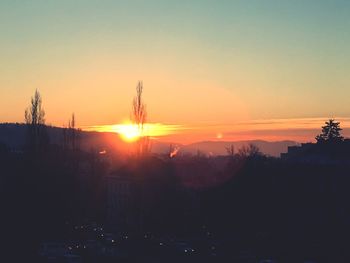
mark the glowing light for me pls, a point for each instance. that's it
(129, 132)
(132, 132)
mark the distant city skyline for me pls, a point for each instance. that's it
(217, 69)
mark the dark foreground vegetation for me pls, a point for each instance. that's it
(235, 208)
(62, 203)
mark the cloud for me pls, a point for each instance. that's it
(298, 129)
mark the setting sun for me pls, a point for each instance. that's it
(128, 132)
(175, 131)
(131, 132)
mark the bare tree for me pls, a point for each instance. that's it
(249, 151)
(72, 122)
(34, 117)
(139, 115)
(230, 150)
(35, 114)
(72, 132)
(71, 135)
(65, 137)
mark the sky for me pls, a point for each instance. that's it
(205, 65)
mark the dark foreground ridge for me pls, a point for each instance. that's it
(14, 136)
(62, 203)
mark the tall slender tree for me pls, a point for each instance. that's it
(71, 135)
(34, 117)
(72, 132)
(35, 114)
(139, 115)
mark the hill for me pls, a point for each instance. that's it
(14, 134)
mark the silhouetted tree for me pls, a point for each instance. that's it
(139, 115)
(249, 151)
(35, 119)
(71, 135)
(35, 114)
(138, 107)
(330, 132)
(72, 132)
(230, 150)
(64, 137)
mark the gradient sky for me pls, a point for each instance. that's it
(202, 62)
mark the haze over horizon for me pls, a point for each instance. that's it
(228, 70)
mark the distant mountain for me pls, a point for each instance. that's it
(14, 135)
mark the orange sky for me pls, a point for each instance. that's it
(208, 67)
(301, 130)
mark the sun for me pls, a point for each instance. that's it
(128, 132)
(131, 132)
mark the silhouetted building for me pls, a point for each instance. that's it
(123, 211)
(319, 153)
(118, 201)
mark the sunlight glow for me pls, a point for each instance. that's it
(219, 136)
(130, 132)
(298, 129)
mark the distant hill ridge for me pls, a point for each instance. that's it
(219, 147)
(13, 135)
